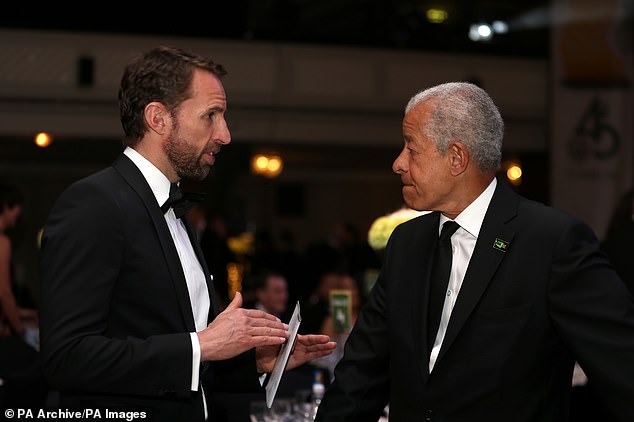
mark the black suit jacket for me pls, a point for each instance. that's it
(115, 310)
(522, 317)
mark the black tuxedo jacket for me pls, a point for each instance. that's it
(115, 310)
(524, 313)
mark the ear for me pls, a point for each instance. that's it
(459, 158)
(157, 118)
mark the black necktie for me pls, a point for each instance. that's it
(181, 202)
(440, 279)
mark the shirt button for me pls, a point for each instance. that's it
(448, 292)
(428, 416)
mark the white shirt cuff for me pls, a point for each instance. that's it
(195, 361)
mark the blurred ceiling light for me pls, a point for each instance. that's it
(43, 139)
(267, 165)
(436, 15)
(484, 31)
(480, 32)
(514, 173)
(500, 27)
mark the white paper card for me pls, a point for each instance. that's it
(282, 357)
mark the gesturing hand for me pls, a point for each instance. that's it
(307, 347)
(236, 330)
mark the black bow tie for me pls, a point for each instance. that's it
(181, 201)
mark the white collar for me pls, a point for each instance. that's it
(158, 182)
(471, 218)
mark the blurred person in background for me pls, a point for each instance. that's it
(24, 385)
(269, 293)
(316, 308)
(357, 254)
(212, 234)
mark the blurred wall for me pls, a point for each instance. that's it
(276, 92)
(592, 75)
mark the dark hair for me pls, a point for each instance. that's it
(163, 74)
(260, 278)
(10, 196)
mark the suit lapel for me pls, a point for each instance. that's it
(485, 260)
(135, 179)
(424, 251)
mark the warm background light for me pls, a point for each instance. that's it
(43, 139)
(267, 165)
(261, 162)
(274, 165)
(514, 173)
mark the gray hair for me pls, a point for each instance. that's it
(463, 112)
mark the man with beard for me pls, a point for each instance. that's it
(129, 321)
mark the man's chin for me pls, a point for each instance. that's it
(203, 175)
(408, 201)
(199, 175)
(413, 205)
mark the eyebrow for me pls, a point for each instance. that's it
(216, 108)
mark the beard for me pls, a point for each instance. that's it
(185, 158)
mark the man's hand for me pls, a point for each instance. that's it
(307, 347)
(236, 330)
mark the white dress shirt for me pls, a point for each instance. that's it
(462, 244)
(194, 275)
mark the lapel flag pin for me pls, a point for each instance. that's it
(500, 245)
